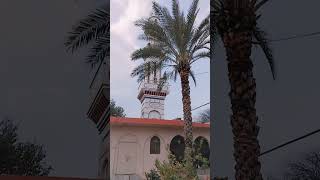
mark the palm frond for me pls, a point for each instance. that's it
(141, 68)
(260, 4)
(192, 14)
(173, 39)
(190, 20)
(100, 50)
(192, 75)
(163, 80)
(200, 55)
(175, 9)
(142, 71)
(263, 42)
(154, 32)
(162, 14)
(88, 29)
(200, 34)
(147, 52)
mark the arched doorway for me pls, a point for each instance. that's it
(201, 147)
(177, 147)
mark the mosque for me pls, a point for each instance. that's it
(130, 146)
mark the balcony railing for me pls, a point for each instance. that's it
(153, 86)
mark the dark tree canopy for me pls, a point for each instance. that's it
(204, 116)
(20, 158)
(308, 168)
(116, 111)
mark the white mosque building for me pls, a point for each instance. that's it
(130, 146)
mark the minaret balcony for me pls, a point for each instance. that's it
(153, 86)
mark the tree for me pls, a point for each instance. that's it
(204, 116)
(309, 168)
(20, 158)
(235, 21)
(94, 28)
(174, 45)
(116, 111)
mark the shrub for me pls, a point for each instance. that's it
(152, 175)
(172, 169)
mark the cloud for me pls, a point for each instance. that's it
(133, 10)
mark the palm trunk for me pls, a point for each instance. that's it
(186, 102)
(243, 98)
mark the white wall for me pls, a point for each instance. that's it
(140, 139)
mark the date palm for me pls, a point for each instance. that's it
(175, 43)
(94, 28)
(236, 23)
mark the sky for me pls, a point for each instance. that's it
(124, 40)
(287, 107)
(45, 89)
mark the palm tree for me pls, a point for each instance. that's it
(94, 28)
(174, 45)
(236, 23)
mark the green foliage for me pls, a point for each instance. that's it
(152, 175)
(20, 158)
(174, 42)
(175, 170)
(116, 111)
(172, 169)
(202, 160)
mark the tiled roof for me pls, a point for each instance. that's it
(153, 122)
(40, 178)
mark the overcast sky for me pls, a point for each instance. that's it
(124, 40)
(288, 107)
(43, 87)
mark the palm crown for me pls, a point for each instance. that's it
(94, 28)
(240, 15)
(174, 42)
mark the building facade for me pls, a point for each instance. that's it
(137, 142)
(130, 146)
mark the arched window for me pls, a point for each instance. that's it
(154, 115)
(201, 146)
(155, 145)
(177, 146)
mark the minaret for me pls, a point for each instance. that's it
(151, 98)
